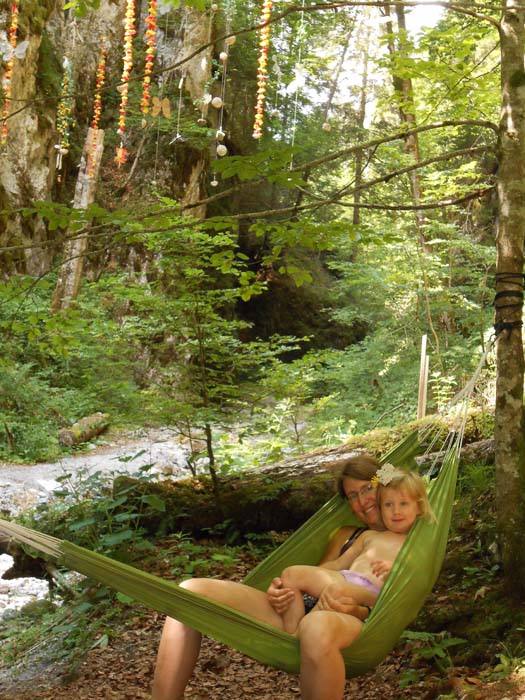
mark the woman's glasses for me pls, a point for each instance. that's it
(362, 493)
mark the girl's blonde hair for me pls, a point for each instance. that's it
(415, 487)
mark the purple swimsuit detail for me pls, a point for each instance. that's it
(358, 580)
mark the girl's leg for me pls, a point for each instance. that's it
(304, 579)
(358, 594)
(180, 645)
(323, 635)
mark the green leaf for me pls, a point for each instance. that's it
(154, 502)
(126, 599)
(117, 538)
(81, 524)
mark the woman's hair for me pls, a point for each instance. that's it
(415, 487)
(362, 466)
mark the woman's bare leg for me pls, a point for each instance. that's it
(304, 579)
(176, 658)
(180, 645)
(322, 636)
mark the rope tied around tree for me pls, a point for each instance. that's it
(512, 278)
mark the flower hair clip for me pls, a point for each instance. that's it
(385, 474)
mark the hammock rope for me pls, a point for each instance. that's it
(410, 581)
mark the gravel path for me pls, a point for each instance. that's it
(24, 485)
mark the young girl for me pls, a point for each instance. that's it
(365, 565)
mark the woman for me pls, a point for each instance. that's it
(322, 634)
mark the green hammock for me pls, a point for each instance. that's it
(410, 581)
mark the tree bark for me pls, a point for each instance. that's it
(70, 275)
(407, 113)
(508, 430)
(84, 430)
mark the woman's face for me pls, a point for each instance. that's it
(362, 498)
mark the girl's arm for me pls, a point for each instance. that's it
(381, 568)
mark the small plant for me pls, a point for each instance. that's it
(409, 676)
(433, 647)
(511, 660)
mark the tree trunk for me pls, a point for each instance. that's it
(361, 116)
(508, 429)
(84, 430)
(407, 112)
(70, 275)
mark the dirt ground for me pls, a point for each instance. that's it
(124, 671)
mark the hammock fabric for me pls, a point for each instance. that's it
(410, 581)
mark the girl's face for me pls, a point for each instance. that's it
(362, 498)
(399, 510)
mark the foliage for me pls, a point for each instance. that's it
(92, 513)
(434, 647)
(170, 343)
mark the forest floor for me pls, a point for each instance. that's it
(124, 671)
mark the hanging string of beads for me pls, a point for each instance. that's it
(262, 69)
(220, 133)
(97, 105)
(129, 32)
(161, 104)
(178, 136)
(6, 82)
(151, 43)
(206, 98)
(64, 114)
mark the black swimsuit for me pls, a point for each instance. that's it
(309, 601)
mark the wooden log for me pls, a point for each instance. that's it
(279, 497)
(84, 430)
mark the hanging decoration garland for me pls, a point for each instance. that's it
(129, 32)
(218, 102)
(97, 105)
(151, 43)
(6, 83)
(64, 114)
(262, 69)
(178, 136)
(206, 98)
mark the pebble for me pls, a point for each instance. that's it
(17, 592)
